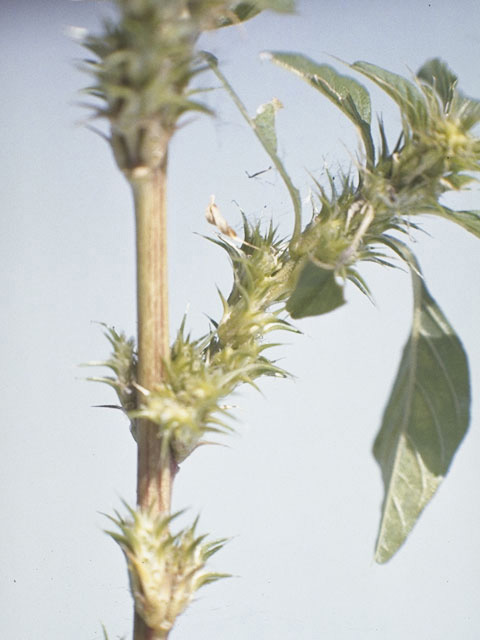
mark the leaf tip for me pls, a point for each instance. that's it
(266, 55)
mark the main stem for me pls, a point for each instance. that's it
(156, 468)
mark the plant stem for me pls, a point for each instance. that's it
(142, 632)
(156, 468)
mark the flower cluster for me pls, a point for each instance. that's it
(165, 569)
(123, 363)
(437, 150)
(200, 374)
(144, 63)
(260, 266)
(352, 221)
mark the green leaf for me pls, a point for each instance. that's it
(437, 74)
(407, 96)
(241, 13)
(469, 220)
(246, 10)
(282, 6)
(458, 181)
(425, 419)
(346, 93)
(264, 123)
(316, 292)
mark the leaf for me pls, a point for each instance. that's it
(264, 123)
(316, 292)
(346, 93)
(246, 10)
(407, 96)
(458, 181)
(425, 419)
(469, 220)
(282, 6)
(437, 74)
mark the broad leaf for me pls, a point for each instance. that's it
(346, 93)
(316, 292)
(426, 417)
(407, 96)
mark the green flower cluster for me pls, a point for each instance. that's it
(334, 239)
(123, 363)
(437, 150)
(144, 62)
(260, 267)
(165, 569)
(200, 374)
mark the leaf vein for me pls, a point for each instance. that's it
(436, 421)
(446, 374)
(399, 510)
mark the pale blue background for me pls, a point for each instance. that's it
(298, 489)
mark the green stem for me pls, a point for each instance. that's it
(156, 469)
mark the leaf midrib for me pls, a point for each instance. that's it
(412, 346)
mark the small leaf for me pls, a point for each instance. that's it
(242, 12)
(316, 292)
(407, 96)
(346, 93)
(426, 417)
(437, 74)
(458, 181)
(264, 123)
(246, 10)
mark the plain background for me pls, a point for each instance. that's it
(297, 489)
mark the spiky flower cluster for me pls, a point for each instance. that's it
(334, 238)
(200, 374)
(437, 148)
(350, 225)
(186, 405)
(144, 62)
(260, 268)
(123, 363)
(165, 569)
(436, 152)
